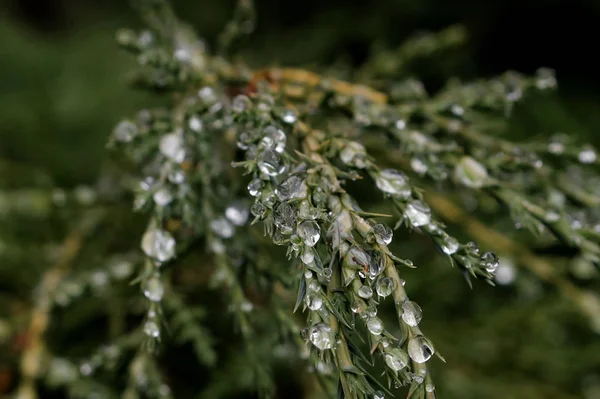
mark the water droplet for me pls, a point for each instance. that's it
(490, 261)
(284, 218)
(176, 177)
(449, 245)
(222, 227)
(85, 195)
(86, 369)
(237, 213)
(418, 213)
(289, 116)
(457, 110)
(154, 289)
(545, 79)
(587, 156)
(552, 216)
(313, 300)
(158, 244)
(162, 197)
(270, 164)
(195, 124)
(241, 103)
(375, 326)
(308, 274)
(396, 359)
(356, 307)
(320, 335)
(429, 387)
(121, 269)
(246, 306)
(151, 329)
(207, 95)
(365, 292)
(411, 313)
(419, 166)
(327, 272)
(420, 349)
(125, 131)
(470, 173)
(310, 232)
(277, 138)
(291, 188)
(258, 210)
(307, 256)
(254, 187)
(556, 146)
(383, 233)
(353, 154)
(400, 124)
(506, 272)
(472, 247)
(385, 286)
(392, 181)
(172, 146)
(378, 395)
(371, 311)
(314, 286)
(356, 258)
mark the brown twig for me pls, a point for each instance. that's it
(32, 356)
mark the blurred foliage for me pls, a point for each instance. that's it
(64, 86)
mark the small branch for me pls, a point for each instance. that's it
(586, 300)
(32, 356)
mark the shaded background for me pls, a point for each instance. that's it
(63, 87)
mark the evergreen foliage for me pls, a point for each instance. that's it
(278, 216)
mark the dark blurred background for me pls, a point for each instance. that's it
(63, 87)
(63, 80)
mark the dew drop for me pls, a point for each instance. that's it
(172, 146)
(270, 164)
(154, 289)
(375, 326)
(396, 359)
(158, 244)
(125, 131)
(587, 156)
(383, 233)
(314, 300)
(162, 197)
(420, 349)
(237, 213)
(258, 210)
(254, 187)
(241, 103)
(222, 227)
(310, 232)
(288, 116)
(418, 213)
(378, 395)
(195, 124)
(321, 336)
(291, 188)
(490, 261)
(392, 181)
(384, 286)
(411, 313)
(470, 173)
(449, 245)
(365, 292)
(151, 329)
(307, 256)
(277, 138)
